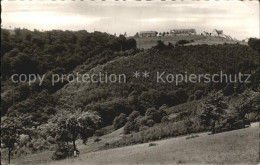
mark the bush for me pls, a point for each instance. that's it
(129, 127)
(133, 115)
(142, 128)
(152, 144)
(104, 131)
(191, 98)
(160, 45)
(63, 151)
(254, 44)
(228, 90)
(253, 116)
(198, 94)
(177, 97)
(139, 122)
(119, 121)
(155, 115)
(182, 42)
(97, 140)
(150, 123)
(165, 119)
(50, 139)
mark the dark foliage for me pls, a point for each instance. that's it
(63, 151)
(254, 43)
(119, 121)
(182, 42)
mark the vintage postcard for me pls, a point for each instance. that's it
(130, 82)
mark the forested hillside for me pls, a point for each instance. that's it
(46, 116)
(51, 52)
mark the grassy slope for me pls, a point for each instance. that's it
(92, 146)
(45, 156)
(234, 147)
(176, 61)
(148, 42)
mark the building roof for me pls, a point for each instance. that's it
(193, 30)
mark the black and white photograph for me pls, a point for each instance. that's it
(130, 82)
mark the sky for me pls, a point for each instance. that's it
(240, 19)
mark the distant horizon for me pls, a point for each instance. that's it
(41, 30)
(239, 19)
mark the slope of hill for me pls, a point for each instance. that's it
(148, 42)
(234, 147)
(91, 146)
(198, 59)
(40, 111)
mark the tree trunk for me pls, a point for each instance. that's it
(213, 129)
(74, 144)
(9, 155)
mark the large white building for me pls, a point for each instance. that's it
(148, 33)
(183, 32)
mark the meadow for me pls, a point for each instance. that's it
(234, 147)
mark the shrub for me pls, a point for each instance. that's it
(177, 97)
(150, 123)
(139, 122)
(198, 94)
(153, 98)
(254, 44)
(142, 128)
(37, 144)
(63, 151)
(50, 110)
(104, 131)
(50, 139)
(229, 89)
(191, 98)
(97, 140)
(253, 116)
(160, 45)
(24, 139)
(129, 126)
(119, 121)
(165, 119)
(133, 115)
(155, 115)
(182, 42)
(152, 144)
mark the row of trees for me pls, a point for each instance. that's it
(161, 45)
(38, 52)
(156, 33)
(65, 129)
(254, 44)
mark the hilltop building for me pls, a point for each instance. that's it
(148, 33)
(183, 32)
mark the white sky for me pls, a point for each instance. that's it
(240, 19)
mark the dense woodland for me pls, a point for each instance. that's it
(36, 118)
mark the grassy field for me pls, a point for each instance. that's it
(234, 147)
(45, 156)
(148, 42)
